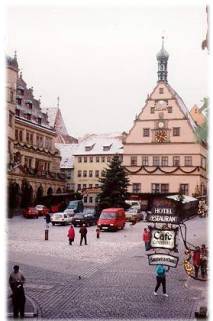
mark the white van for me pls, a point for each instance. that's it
(134, 204)
(61, 218)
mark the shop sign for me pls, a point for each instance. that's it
(165, 239)
(163, 211)
(162, 258)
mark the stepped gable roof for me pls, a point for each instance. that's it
(66, 153)
(100, 144)
(182, 106)
(180, 102)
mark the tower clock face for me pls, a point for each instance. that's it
(161, 136)
(161, 105)
(161, 124)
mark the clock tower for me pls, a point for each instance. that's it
(162, 58)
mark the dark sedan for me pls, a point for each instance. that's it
(84, 218)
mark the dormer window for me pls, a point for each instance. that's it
(39, 120)
(169, 109)
(89, 148)
(106, 148)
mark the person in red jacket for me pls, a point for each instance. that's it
(147, 238)
(71, 234)
(196, 260)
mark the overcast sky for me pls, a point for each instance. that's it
(101, 60)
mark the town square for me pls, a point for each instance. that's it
(107, 209)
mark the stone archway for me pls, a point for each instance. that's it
(50, 191)
(14, 196)
(58, 191)
(27, 194)
(39, 193)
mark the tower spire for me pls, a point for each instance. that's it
(58, 99)
(162, 58)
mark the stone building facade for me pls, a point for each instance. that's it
(33, 162)
(161, 151)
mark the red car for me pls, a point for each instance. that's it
(30, 212)
(42, 210)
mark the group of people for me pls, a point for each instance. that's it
(200, 260)
(82, 231)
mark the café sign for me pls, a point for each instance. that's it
(165, 239)
(162, 258)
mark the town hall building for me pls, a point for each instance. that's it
(162, 153)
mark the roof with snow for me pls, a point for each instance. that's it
(90, 144)
(102, 144)
(66, 153)
(186, 198)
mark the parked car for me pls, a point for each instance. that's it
(112, 219)
(61, 218)
(134, 203)
(42, 210)
(133, 215)
(87, 218)
(30, 212)
(55, 208)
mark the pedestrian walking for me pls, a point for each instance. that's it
(71, 234)
(196, 260)
(160, 272)
(203, 261)
(16, 282)
(47, 218)
(147, 238)
(83, 232)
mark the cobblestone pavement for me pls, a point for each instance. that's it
(115, 278)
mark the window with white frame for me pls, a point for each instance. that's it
(176, 160)
(184, 189)
(156, 161)
(136, 187)
(188, 160)
(133, 160)
(164, 160)
(90, 173)
(145, 160)
(146, 132)
(160, 188)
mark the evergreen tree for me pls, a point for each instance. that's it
(114, 183)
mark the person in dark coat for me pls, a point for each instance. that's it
(196, 260)
(47, 218)
(203, 261)
(16, 281)
(83, 232)
(71, 234)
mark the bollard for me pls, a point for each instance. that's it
(46, 235)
